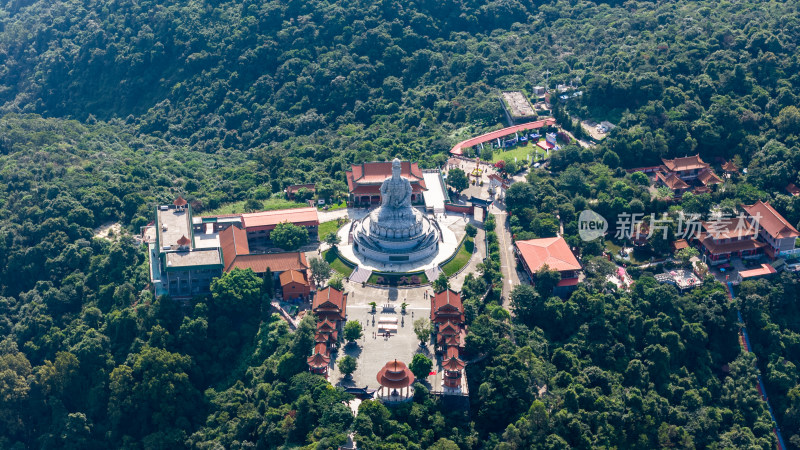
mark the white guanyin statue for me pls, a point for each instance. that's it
(396, 191)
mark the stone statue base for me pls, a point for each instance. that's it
(386, 237)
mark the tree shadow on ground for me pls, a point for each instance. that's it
(352, 350)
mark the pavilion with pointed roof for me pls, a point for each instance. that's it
(395, 379)
(318, 362)
(180, 202)
(453, 368)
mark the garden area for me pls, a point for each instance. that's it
(331, 256)
(245, 206)
(520, 152)
(332, 226)
(461, 259)
(398, 279)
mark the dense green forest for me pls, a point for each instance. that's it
(111, 107)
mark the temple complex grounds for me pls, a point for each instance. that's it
(452, 226)
(372, 353)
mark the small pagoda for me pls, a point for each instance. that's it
(395, 379)
(453, 366)
(319, 361)
(180, 202)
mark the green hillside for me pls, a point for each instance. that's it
(108, 109)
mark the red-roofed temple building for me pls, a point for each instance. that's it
(259, 225)
(364, 181)
(774, 230)
(446, 307)
(447, 315)
(294, 285)
(236, 254)
(687, 173)
(761, 230)
(330, 307)
(553, 252)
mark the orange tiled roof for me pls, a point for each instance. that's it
(553, 251)
(729, 166)
(276, 262)
(729, 228)
(447, 301)
(680, 244)
(792, 189)
(449, 328)
(671, 180)
(318, 361)
(376, 172)
(293, 276)
(326, 326)
(771, 221)
(685, 163)
(453, 364)
(707, 176)
(765, 269)
(267, 220)
(233, 242)
(731, 247)
(330, 301)
(492, 135)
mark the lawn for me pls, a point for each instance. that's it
(327, 227)
(269, 204)
(461, 259)
(334, 207)
(519, 152)
(338, 264)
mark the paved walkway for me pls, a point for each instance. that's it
(360, 275)
(508, 264)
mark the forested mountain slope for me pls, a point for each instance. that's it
(112, 107)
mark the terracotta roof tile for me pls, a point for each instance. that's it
(729, 228)
(395, 374)
(685, 163)
(707, 176)
(330, 301)
(729, 166)
(792, 189)
(771, 221)
(492, 135)
(267, 220)
(765, 269)
(554, 252)
(233, 242)
(276, 262)
(671, 180)
(447, 303)
(731, 247)
(374, 173)
(293, 276)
